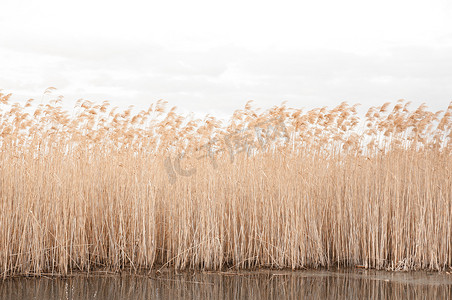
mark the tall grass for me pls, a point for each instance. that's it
(279, 188)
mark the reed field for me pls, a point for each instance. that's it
(98, 187)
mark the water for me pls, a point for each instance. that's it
(349, 284)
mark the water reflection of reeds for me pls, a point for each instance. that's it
(268, 285)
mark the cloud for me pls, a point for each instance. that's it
(224, 77)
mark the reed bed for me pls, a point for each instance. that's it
(277, 188)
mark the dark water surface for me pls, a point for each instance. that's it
(349, 284)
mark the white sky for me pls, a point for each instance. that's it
(212, 56)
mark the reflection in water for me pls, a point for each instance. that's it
(261, 285)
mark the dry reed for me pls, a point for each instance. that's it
(280, 188)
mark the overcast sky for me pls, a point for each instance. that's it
(212, 56)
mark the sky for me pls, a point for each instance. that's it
(214, 56)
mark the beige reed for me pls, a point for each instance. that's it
(280, 188)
